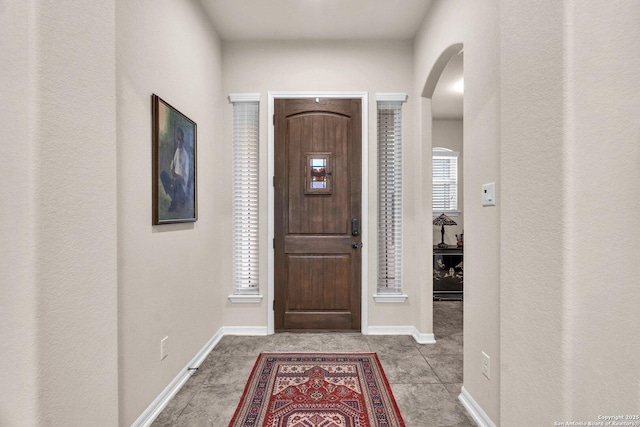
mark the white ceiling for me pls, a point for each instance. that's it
(316, 19)
(245, 20)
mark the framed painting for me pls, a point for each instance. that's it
(174, 140)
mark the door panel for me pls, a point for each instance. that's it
(313, 274)
(314, 214)
(318, 192)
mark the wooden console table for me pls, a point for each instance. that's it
(448, 273)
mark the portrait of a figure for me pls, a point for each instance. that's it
(174, 180)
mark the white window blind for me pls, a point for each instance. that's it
(246, 131)
(389, 197)
(445, 180)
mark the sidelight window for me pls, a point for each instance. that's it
(246, 130)
(389, 194)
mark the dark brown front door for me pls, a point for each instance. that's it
(317, 199)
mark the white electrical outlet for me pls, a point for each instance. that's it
(486, 365)
(163, 348)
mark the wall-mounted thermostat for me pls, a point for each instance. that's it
(489, 194)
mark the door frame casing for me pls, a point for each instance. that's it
(364, 98)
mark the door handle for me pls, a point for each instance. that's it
(355, 227)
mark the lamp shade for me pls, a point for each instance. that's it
(443, 220)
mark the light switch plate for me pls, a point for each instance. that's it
(163, 348)
(489, 194)
(486, 365)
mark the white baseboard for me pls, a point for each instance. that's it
(161, 402)
(479, 416)
(421, 338)
(156, 407)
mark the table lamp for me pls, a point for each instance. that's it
(443, 220)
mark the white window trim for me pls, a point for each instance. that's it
(245, 299)
(446, 152)
(385, 298)
(240, 295)
(395, 296)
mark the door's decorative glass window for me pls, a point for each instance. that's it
(318, 173)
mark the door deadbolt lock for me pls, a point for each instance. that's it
(355, 227)
(355, 245)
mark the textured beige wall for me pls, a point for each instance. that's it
(533, 229)
(475, 25)
(173, 279)
(334, 66)
(603, 146)
(59, 366)
(570, 156)
(18, 287)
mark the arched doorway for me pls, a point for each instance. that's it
(445, 88)
(447, 179)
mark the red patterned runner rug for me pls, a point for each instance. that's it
(317, 390)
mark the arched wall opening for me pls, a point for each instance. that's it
(446, 148)
(438, 68)
(443, 120)
(476, 26)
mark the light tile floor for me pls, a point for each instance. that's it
(425, 379)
